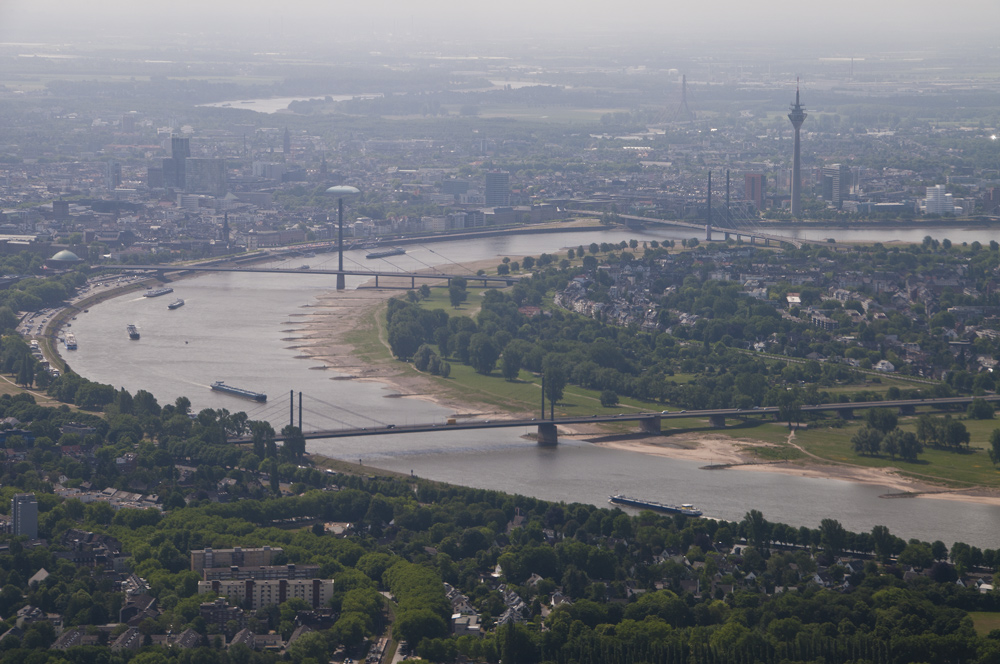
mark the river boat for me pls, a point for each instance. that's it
(157, 292)
(385, 253)
(175, 304)
(219, 386)
(686, 509)
(70, 342)
(133, 331)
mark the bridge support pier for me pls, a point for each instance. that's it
(548, 434)
(650, 425)
(717, 421)
(907, 410)
(341, 285)
(726, 237)
(767, 242)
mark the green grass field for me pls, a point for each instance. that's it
(985, 621)
(954, 468)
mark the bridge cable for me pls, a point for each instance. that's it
(346, 410)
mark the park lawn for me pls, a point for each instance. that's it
(525, 395)
(980, 431)
(879, 388)
(766, 431)
(985, 621)
(953, 468)
(439, 299)
(368, 338)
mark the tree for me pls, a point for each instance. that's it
(882, 540)
(457, 293)
(866, 440)
(980, 410)
(756, 529)
(994, 450)
(833, 537)
(483, 353)
(882, 419)
(909, 446)
(510, 362)
(555, 379)
(955, 433)
(295, 442)
(890, 443)
(609, 398)
(405, 337)
(928, 429)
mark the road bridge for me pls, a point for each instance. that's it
(754, 236)
(413, 277)
(649, 422)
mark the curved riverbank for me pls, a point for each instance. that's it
(337, 325)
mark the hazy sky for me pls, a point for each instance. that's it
(761, 21)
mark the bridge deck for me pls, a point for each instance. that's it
(391, 429)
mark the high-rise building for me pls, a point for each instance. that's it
(113, 175)
(24, 513)
(497, 189)
(756, 183)
(797, 117)
(836, 180)
(939, 201)
(174, 167)
(286, 144)
(991, 200)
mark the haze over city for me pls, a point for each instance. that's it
(779, 24)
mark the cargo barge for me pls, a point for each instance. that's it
(686, 509)
(219, 386)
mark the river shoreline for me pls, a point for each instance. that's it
(335, 317)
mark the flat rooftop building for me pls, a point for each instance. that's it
(235, 557)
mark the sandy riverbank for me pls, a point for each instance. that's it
(335, 316)
(723, 450)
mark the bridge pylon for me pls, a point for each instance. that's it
(548, 434)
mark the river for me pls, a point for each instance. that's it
(243, 329)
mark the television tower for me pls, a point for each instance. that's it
(797, 116)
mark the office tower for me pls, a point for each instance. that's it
(938, 201)
(113, 175)
(24, 514)
(497, 189)
(797, 117)
(836, 184)
(286, 144)
(174, 167)
(755, 185)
